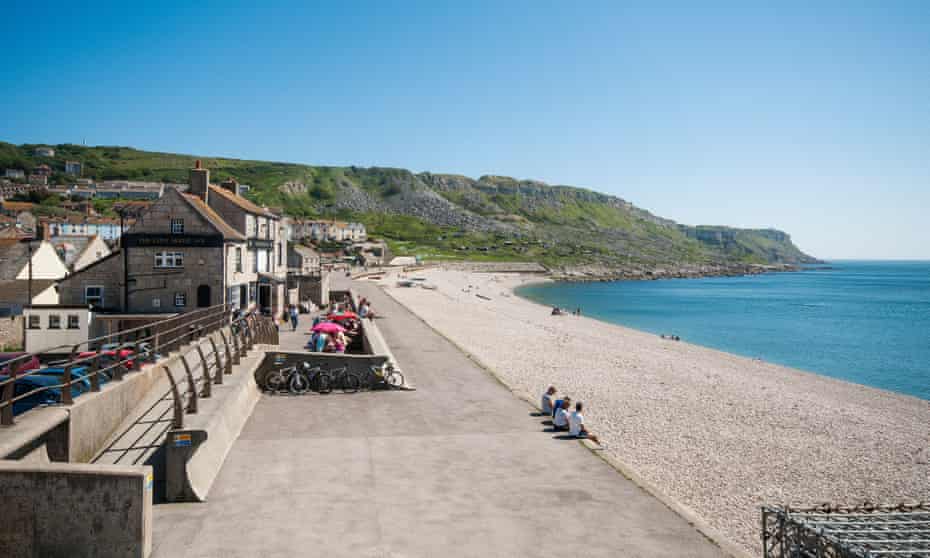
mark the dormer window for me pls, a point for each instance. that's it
(177, 226)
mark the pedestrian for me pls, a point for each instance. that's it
(294, 317)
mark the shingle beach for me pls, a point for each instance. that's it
(719, 433)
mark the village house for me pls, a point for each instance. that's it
(302, 260)
(332, 231)
(14, 208)
(107, 228)
(73, 168)
(15, 173)
(43, 151)
(264, 265)
(78, 252)
(188, 251)
(38, 179)
(15, 282)
(43, 170)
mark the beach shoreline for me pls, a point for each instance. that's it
(721, 434)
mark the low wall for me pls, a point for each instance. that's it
(75, 511)
(195, 454)
(275, 360)
(11, 333)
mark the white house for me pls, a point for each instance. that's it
(51, 326)
(78, 252)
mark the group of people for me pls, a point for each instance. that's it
(556, 311)
(564, 419)
(364, 309)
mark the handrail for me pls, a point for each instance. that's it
(195, 325)
(245, 331)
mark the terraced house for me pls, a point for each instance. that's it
(188, 251)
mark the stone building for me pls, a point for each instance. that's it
(302, 260)
(263, 265)
(172, 259)
(187, 251)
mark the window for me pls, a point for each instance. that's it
(180, 299)
(54, 321)
(254, 261)
(263, 230)
(93, 295)
(169, 259)
(177, 226)
(156, 302)
(239, 259)
(278, 247)
(251, 292)
(74, 322)
(34, 322)
(261, 261)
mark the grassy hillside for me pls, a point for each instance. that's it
(448, 216)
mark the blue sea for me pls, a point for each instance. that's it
(864, 322)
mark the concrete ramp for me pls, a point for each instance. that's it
(195, 454)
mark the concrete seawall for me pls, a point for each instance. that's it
(75, 511)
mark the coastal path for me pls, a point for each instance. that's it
(458, 467)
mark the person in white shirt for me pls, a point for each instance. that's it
(560, 421)
(576, 426)
(548, 399)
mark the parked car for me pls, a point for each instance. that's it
(108, 357)
(30, 363)
(77, 373)
(50, 396)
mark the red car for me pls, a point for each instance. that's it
(109, 358)
(31, 363)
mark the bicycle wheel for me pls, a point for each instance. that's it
(324, 383)
(298, 383)
(394, 378)
(350, 383)
(275, 381)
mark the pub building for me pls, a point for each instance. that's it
(187, 251)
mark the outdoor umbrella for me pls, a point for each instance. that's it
(343, 316)
(328, 327)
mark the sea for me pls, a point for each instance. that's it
(866, 322)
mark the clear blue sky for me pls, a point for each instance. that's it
(809, 116)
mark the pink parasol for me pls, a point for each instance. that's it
(343, 316)
(328, 327)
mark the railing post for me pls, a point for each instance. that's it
(191, 387)
(66, 398)
(227, 364)
(237, 350)
(178, 421)
(6, 415)
(218, 375)
(95, 373)
(207, 382)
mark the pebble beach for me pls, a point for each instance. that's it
(720, 434)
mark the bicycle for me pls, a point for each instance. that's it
(298, 380)
(383, 376)
(342, 378)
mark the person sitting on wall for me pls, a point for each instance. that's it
(548, 400)
(576, 425)
(560, 420)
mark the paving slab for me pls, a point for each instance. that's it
(458, 468)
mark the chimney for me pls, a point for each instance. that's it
(230, 184)
(200, 182)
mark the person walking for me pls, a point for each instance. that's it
(294, 317)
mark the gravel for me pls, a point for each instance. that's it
(719, 433)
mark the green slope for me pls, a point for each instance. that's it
(449, 216)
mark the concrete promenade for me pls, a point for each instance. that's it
(457, 468)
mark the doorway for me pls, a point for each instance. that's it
(203, 296)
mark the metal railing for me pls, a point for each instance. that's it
(148, 342)
(202, 370)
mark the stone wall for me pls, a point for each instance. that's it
(11, 333)
(68, 510)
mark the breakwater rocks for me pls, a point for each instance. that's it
(598, 273)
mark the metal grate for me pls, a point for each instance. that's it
(866, 531)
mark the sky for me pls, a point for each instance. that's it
(808, 116)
